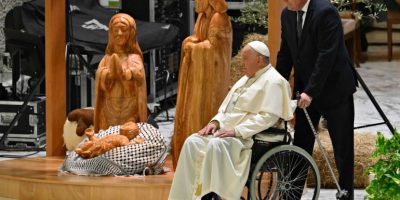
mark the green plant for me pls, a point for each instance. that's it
(254, 13)
(386, 170)
(363, 9)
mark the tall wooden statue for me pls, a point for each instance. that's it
(120, 79)
(204, 71)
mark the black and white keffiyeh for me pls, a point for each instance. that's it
(126, 160)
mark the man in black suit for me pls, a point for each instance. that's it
(312, 42)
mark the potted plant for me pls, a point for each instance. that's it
(386, 169)
(363, 9)
(366, 11)
(254, 16)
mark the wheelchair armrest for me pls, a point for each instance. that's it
(274, 130)
(287, 139)
(260, 147)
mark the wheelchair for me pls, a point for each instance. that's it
(280, 170)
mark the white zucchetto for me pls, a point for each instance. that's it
(260, 47)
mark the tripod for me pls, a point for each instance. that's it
(27, 52)
(20, 111)
(378, 108)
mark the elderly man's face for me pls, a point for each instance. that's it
(120, 31)
(295, 5)
(251, 61)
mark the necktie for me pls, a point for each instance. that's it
(299, 23)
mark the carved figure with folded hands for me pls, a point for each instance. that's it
(120, 78)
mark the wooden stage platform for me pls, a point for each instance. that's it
(39, 178)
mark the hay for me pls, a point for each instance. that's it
(236, 66)
(364, 146)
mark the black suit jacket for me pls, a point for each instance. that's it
(322, 66)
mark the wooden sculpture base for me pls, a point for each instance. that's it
(39, 178)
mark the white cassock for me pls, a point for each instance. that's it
(221, 165)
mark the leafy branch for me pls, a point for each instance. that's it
(254, 13)
(386, 170)
(363, 9)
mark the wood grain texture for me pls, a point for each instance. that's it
(204, 73)
(393, 17)
(274, 28)
(39, 178)
(55, 76)
(120, 77)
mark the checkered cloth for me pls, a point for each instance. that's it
(148, 156)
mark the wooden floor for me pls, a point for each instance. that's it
(39, 178)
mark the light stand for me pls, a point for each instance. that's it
(378, 108)
(29, 47)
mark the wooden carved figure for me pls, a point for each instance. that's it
(120, 78)
(97, 146)
(204, 71)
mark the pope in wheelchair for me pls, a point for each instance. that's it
(216, 160)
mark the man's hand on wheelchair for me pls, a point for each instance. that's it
(210, 128)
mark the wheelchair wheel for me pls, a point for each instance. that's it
(282, 172)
